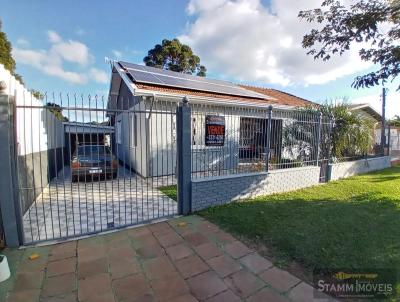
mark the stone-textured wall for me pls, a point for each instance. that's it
(35, 171)
(347, 169)
(219, 190)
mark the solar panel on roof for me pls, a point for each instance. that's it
(145, 77)
(156, 76)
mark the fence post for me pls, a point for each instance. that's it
(268, 143)
(388, 145)
(319, 136)
(329, 170)
(183, 147)
(9, 201)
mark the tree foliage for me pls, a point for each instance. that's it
(5, 55)
(344, 133)
(352, 134)
(57, 111)
(175, 56)
(37, 94)
(373, 23)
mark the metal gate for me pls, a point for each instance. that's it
(86, 166)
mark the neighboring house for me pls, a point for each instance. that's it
(395, 141)
(85, 133)
(367, 112)
(373, 116)
(139, 90)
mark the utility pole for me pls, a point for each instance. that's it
(383, 136)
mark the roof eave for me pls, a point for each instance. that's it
(370, 110)
(122, 73)
(209, 100)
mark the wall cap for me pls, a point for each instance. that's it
(254, 174)
(386, 157)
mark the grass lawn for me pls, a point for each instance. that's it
(170, 191)
(351, 223)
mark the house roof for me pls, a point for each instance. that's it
(272, 96)
(276, 97)
(283, 98)
(367, 109)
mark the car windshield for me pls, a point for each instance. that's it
(93, 150)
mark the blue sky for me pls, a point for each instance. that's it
(60, 46)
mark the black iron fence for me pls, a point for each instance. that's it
(257, 140)
(88, 164)
(268, 139)
(85, 165)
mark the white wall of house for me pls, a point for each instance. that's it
(159, 118)
(162, 138)
(225, 157)
(395, 139)
(162, 134)
(37, 129)
(130, 141)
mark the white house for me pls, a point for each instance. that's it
(142, 105)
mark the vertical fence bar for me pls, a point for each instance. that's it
(388, 144)
(329, 148)
(9, 201)
(268, 142)
(183, 146)
(318, 143)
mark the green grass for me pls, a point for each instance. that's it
(351, 223)
(170, 191)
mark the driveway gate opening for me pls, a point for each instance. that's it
(84, 167)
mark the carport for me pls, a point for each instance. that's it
(84, 133)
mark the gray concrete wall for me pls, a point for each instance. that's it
(219, 190)
(35, 171)
(347, 169)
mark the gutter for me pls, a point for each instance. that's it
(208, 100)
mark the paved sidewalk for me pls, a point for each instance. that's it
(182, 260)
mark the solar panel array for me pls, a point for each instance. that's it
(156, 76)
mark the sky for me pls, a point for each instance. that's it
(61, 46)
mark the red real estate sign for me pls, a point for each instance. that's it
(215, 130)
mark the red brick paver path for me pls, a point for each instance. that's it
(182, 260)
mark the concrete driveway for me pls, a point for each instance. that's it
(66, 208)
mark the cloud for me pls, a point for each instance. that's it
(98, 75)
(53, 36)
(51, 61)
(69, 76)
(23, 42)
(47, 63)
(196, 6)
(126, 53)
(117, 54)
(252, 42)
(73, 51)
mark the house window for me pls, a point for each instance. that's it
(197, 130)
(119, 133)
(194, 131)
(133, 130)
